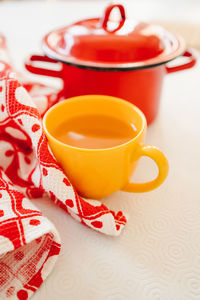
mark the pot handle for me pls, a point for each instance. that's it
(192, 61)
(29, 65)
(105, 18)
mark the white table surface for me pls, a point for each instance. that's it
(158, 254)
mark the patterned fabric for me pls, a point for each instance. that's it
(29, 243)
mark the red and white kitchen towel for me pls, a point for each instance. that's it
(29, 243)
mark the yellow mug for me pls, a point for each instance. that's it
(96, 173)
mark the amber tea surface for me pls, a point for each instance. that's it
(95, 132)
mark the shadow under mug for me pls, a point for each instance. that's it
(96, 173)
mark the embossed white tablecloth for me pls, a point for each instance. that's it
(158, 254)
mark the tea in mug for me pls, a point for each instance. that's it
(94, 132)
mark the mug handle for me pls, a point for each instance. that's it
(159, 158)
(29, 65)
(192, 61)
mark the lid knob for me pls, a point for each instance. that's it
(105, 19)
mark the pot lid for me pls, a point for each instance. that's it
(102, 43)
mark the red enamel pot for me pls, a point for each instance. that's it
(121, 58)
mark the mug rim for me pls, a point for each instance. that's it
(81, 98)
